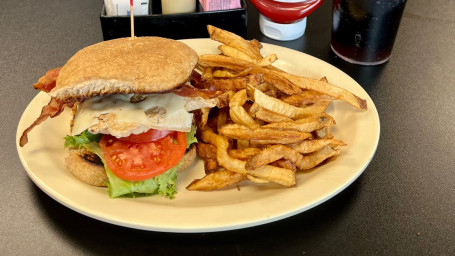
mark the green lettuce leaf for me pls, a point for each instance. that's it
(163, 184)
(79, 140)
(191, 137)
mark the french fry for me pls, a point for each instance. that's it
(280, 82)
(270, 76)
(277, 76)
(256, 180)
(208, 154)
(306, 98)
(204, 117)
(270, 116)
(263, 135)
(309, 146)
(237, 54)
(326, 88)
(282, 108)
(216, 180)
(307, 124)
(224, 98)
(268, 60)
(276, 152)
(234, 41)
(237, 113)
(284, 163)
(278, 175)
(323, 133)
(269, 123)
(207, 74)
(233, 84)
(255, 44)
(234, 53)
(244, 153)
(224, 73)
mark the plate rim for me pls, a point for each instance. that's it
(188, 229)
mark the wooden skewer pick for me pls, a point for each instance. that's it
(132, 19)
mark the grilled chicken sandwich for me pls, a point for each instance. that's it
(132, 128)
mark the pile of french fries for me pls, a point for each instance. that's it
(268, 124)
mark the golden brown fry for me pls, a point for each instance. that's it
(216, 180)
(208, 154)
(275, 174)
(254, 109)
(276, 152)
(307, 124)
(278, 175)
(207, 74)
(326, 88)
(276, 80)
(306, 98)
(284, 163)
(280, 124)
(237, 54)
(270, 116)
(220, 61)
(263, 135)
(224, 98)
(232, 84)
(206, 150)
(221, 117)
(309, 146)
(323, 133)
(278, 77)
(267, 60)
(205, 116)
(280, 107)
(256, 44)
(224, 73)
(244, 153)
(256, 180)
(237, 113)
(234, 41)
(210, 165)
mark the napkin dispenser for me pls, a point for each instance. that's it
(176, 26)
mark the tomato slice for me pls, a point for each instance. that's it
(141, 161)
(150, 135)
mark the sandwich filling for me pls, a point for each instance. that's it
(137, 168)
(132, 101)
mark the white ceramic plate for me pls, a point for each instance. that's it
(222, 210)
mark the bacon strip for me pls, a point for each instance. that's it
(47, 82)
(195, 78)
(52, 109)
(190, 91)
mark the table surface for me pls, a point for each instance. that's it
(404, 202)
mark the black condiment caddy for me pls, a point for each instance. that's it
(176, 26)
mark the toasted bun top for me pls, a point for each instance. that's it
(140, 65)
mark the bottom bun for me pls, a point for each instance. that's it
(95, 175)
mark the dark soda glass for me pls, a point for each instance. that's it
(363, 31)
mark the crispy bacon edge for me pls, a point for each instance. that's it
(190, 91)
(47, 82)
(194, 90)
(52, 109)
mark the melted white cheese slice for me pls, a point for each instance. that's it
(156, 111)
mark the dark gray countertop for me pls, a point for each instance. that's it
(403, 204)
